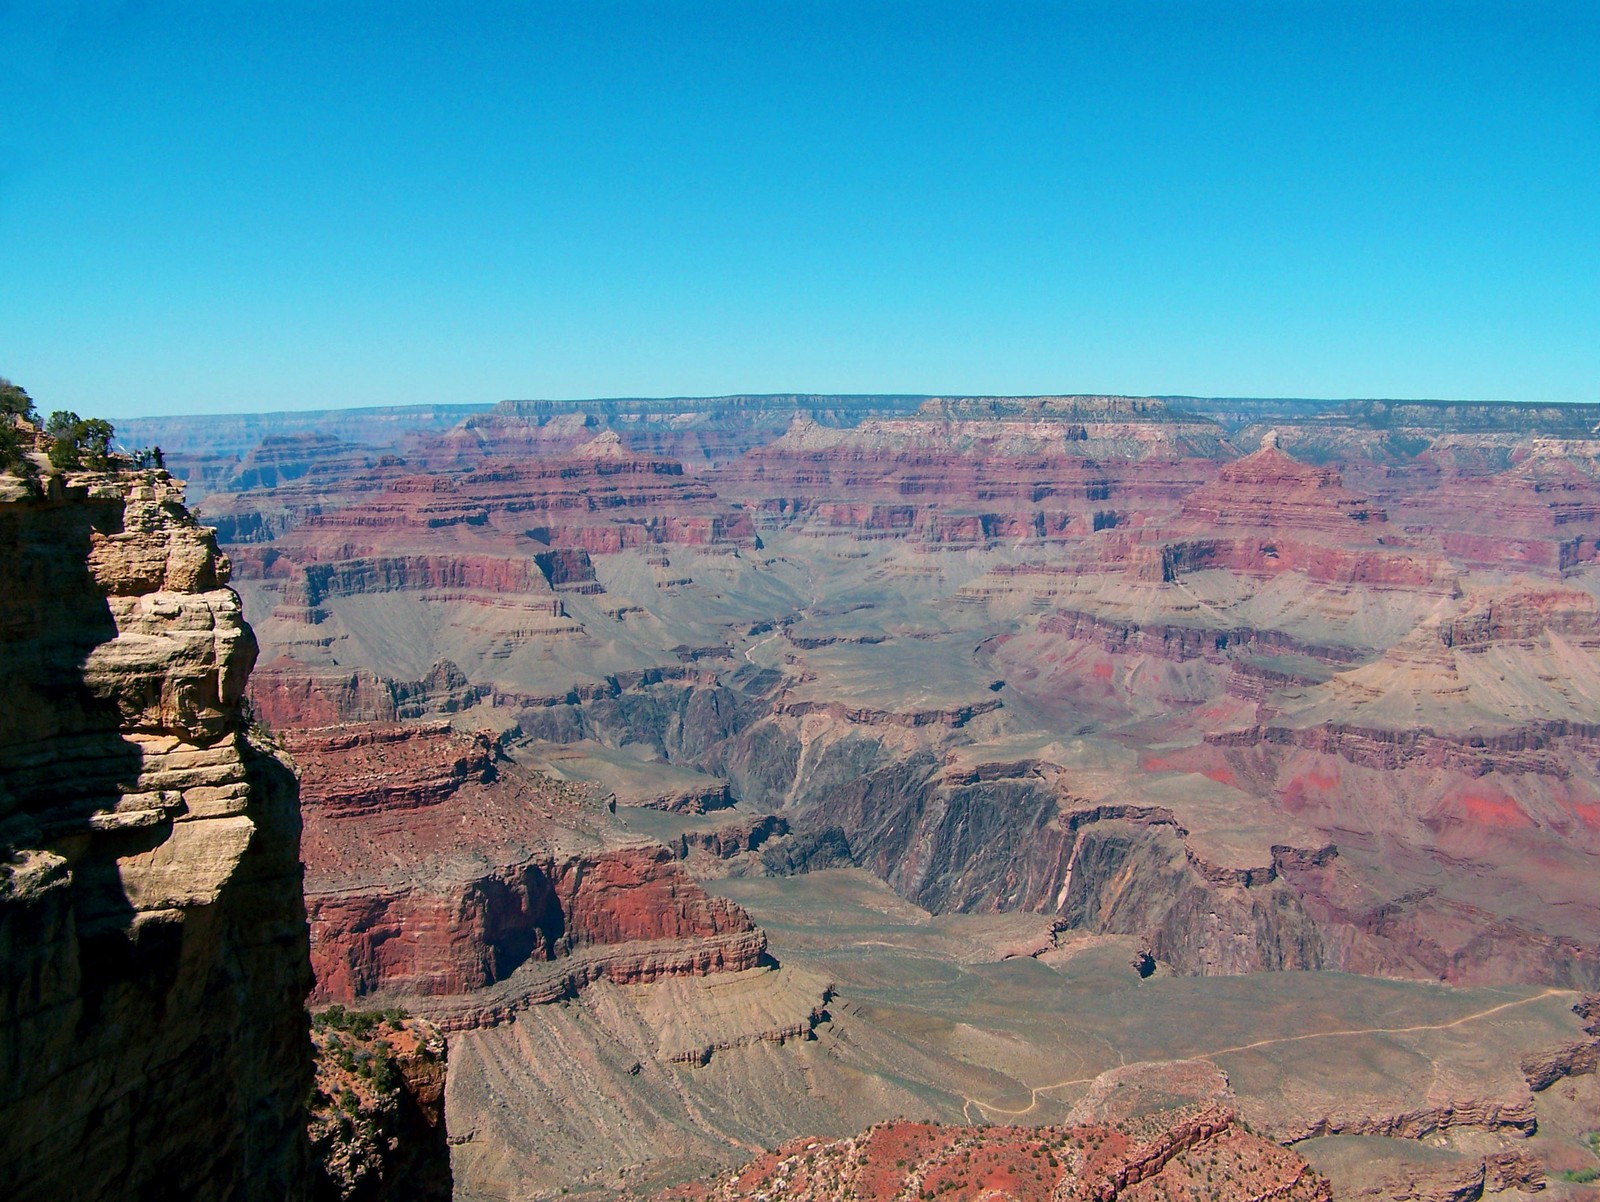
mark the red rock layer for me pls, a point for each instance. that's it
(1543, 514)
(641, 500)
(285, 695)
(1193, 1153)
(1526, 614)
(876, 484)
(1269, 490)
(1428, 856)
(1269, 513)
(501, 537)
(433, 868)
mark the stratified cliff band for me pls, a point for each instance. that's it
(153, 946)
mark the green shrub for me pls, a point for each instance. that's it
(78, 442)
(333, 1017)
(14, 453)
(15, 402)
(360, 1023)
(64, 456)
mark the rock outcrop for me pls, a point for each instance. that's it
(1163, 1154)
(1269, 490)
(152, 933)
(437, 869)
(378, 1109)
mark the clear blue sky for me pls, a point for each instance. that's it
(222, 206)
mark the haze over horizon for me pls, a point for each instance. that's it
(1176, 398)
(228, 211)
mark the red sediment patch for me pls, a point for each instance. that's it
(1190, 1152)
(1307, 788)
(1585, 812)
(1486, 809)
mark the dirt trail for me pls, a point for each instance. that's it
(986, 1108)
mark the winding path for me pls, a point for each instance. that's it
(986, 1108)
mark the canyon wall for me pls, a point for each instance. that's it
(806, 605)
(438, 869)
(152, 932)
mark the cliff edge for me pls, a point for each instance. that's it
(153, 945)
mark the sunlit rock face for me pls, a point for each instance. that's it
(152, 932)
(436, 869)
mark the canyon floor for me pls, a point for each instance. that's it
(995, 1019)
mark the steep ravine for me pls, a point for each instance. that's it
(1007, 838)
(1013, 837)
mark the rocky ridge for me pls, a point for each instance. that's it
(1195, 1153)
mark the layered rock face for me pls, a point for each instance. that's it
(688, 429)
(947, 478)
(1546, 512)
(437, 869)
(480, 566)
(1269, 490)
(152, 932)
(1507, 486)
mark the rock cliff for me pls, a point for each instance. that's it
(152, 933)
(437, 869)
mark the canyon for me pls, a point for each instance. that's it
(843, 781)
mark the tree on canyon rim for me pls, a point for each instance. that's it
(15, 403)
(79, 442)
(16, 407)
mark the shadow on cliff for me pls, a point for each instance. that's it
(76, 954)
(166, 1005)
(67, 764)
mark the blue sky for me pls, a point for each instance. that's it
(232, 207)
